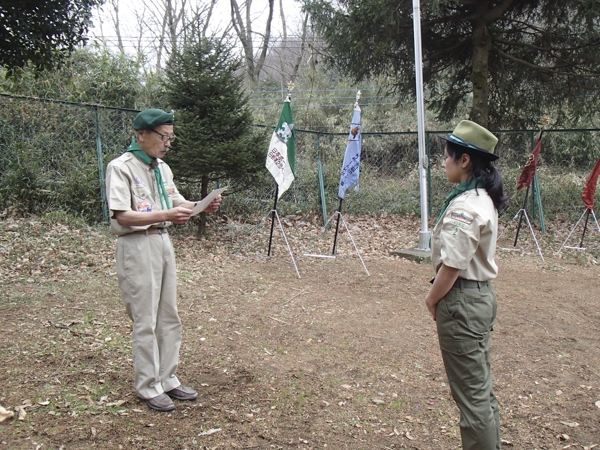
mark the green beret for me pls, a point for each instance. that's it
(151, 118)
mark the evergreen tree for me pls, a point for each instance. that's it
(215, 140)
(42, 32)
(510, 62)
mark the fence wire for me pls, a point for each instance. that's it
(53, 156)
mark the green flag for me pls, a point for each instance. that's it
(281, 157)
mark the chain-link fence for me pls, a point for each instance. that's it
(566, 159)
(53, 155)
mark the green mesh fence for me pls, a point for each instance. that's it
(53, 156)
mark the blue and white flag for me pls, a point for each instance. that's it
(351, 164)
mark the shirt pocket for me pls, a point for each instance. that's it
(141, 199)
(170, 188)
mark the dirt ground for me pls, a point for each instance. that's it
(336, 359)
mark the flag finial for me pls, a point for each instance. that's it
(357, 98)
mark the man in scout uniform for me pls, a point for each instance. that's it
(462, 300)
(143, 202)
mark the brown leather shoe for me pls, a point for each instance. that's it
(182, 393)
(160, 403)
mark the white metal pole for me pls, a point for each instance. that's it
(424, 235)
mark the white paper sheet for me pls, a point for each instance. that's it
(201, 205)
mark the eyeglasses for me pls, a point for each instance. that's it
(164, 137)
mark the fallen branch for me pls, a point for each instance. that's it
(539, 325)
(297, 295)
(279, 320)
(209, 432)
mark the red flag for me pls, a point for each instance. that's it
(528, 171)
(589, 189)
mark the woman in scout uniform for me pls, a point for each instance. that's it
(462, 300)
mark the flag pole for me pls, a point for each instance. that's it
(281, 157)
(425, 234)
(339, 211)
(273, 219)
(521, 216)
(539, 138)
(337, 226)
(587, 217)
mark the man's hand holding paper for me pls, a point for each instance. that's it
(210, 203)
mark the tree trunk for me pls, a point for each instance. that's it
(265, 42)
(283, 45)
(479, 76)
(161, 43)
(244, 35)
(302, 48)
(174, 19)
(208, 17)
(243, 29)
(115, 17)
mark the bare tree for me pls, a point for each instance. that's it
(243, 29)
(286, 54)
(283, 40)
(209, 12)
(296, 67)
(114, 15)
(161, 42)
(170, 24)
(164, 26)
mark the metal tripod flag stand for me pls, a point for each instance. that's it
(526, 179)
(281, 159)
(587, 214)
(587, 195)
(274, 217)
(338, 213)
(349, 177)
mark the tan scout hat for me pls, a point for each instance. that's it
(476, 139)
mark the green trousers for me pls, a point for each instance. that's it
(464, 318)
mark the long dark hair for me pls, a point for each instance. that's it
(484, 171)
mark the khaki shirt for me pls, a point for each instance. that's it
(465, 237)
(131, 186)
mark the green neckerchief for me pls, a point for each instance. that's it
(459, 189)
(152, 162)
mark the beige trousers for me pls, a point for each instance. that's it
(148, 283)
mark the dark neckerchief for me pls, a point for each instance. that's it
(152, 162)
(473, 183)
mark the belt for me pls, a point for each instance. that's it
(151, 230)
(470, 284)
